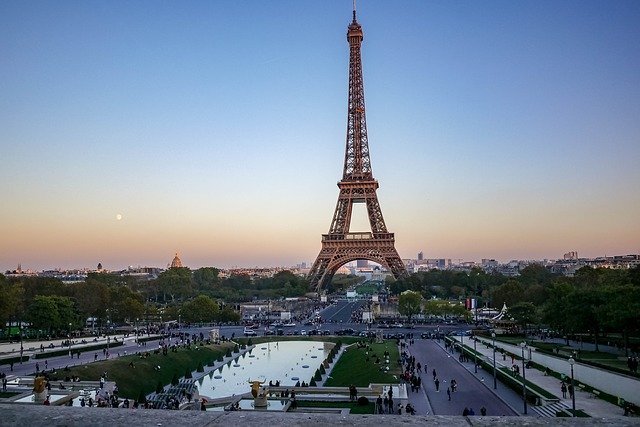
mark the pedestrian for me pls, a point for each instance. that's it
(386, 403)
(390, 408)
(11, 366)
(448, 393)
(37, 367)
(434, 374)
(483, 411)
(379, 408)
(95, 357)
(437, 384)
(570, 388)
(563, 389)
(465, 412)
(46, 365)
(471, 411)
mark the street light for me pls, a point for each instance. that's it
(475, 356)
(70, 342)
(136, 331)
(21, 347)
(524, 378)
(495, 384)
(573, 390)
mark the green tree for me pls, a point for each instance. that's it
(523, 313)
(409, 304)
(200, 309)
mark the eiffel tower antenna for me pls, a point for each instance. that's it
(341, 246)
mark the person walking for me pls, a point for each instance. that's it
(563, 389)
(437, 382)
(449, 393)
(571, 391)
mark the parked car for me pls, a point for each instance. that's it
(248, 332)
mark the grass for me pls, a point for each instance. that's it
(353, 367)
(355, 408)
(143, 378)
(5, 394)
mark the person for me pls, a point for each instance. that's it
(563, 389)
(570, 388)
(483, 411)
(471, 411)
(448, 393)
(409, 409)
(465, 412)
(399, 408)
(379, 408)
(437, 384)
(434, 374)
(47, 402)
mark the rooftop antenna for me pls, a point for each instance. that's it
(354, 10)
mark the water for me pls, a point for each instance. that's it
(284, 361)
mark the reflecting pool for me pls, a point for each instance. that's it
(284, 361)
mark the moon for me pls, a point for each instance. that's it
(119, 217)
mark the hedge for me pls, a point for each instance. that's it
(14, 359)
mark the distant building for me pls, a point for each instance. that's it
(571, 255)
(176, 263)
(362, 263)
(420, 256)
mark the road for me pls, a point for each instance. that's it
(471, 393)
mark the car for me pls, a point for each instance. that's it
(303, 332)
(248, 332)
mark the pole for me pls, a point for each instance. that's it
(573, 390)
(524, 379)
(21, 347)
(70, 342)
(495, 384)
(475, 356)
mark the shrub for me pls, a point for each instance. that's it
(322, 370)
(312, 383)
(175, 380)
(200, 367)
(142, 398)
(228, 354)
(363, 401)
(159, 387)
(187, 374)
(236, 349)
(318, 375)
(250, 342)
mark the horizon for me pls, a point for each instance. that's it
(217, 129)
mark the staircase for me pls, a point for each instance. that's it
(549, 411)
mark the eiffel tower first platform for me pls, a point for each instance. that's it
(340, 246)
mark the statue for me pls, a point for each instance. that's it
(39, 389)
(259, 393)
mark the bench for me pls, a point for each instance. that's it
(595, 393)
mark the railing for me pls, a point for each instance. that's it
(357, 236)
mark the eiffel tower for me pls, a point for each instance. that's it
(340, 246)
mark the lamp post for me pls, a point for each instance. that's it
(70, 342)
(524, 378)
(495, 384)
(136, 331)
(21, 347)
(475, 356)
(573, 390)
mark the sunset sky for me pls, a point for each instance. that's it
(132, 130)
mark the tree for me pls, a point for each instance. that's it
(510, 293)
(409, 303)
(206, 279)
(523, 313)
(174, 283)
(200, 309)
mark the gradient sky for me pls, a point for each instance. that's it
(497, 129)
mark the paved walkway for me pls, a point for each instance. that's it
(471, 391)
(593, 406)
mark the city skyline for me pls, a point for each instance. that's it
(216, 129)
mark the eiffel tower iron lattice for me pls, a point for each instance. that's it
(341, 246)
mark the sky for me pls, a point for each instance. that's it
(216, 129)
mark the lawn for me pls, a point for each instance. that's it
(355, 408)
(143, 377)
(6, 394)
(353, 367)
